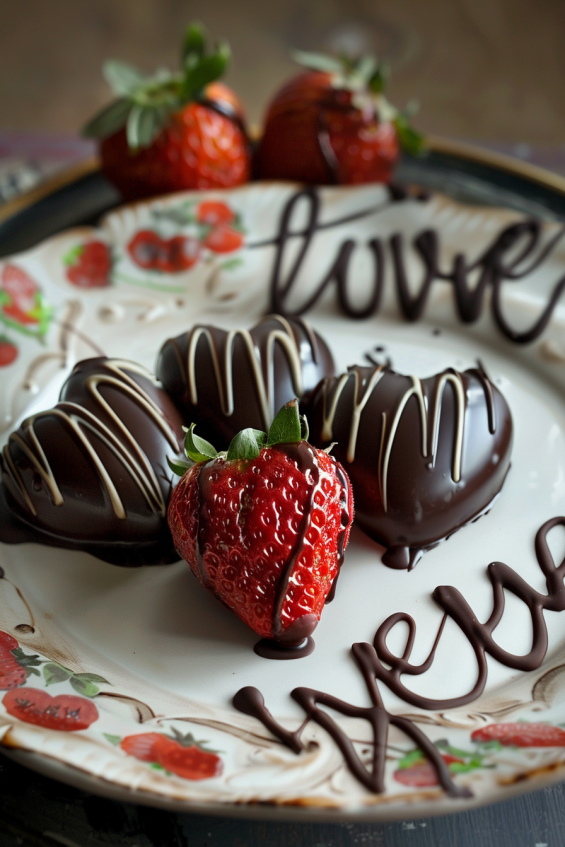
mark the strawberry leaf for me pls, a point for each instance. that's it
(194, 43)
(73, 254)
(318, 62)
(411, 141)
(54, 673)
(204, 71)
(197, 448)
(180, 466)
(247, 444)
(109, 120)
(81, 686)
(144, 124)
(414, 757)
(122, 78)
(91, 677)
(285, 428)
(113, 739)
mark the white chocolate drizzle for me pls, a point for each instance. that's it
(361, 395)
(263, 372)
(113, 372)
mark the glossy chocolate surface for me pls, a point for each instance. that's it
(425, 456)
(227, 381)
(91, 474)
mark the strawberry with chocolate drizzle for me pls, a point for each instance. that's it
(333, 124)
(173, 131)
(264, 527)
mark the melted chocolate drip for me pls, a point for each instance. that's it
(425, 457)
(227, 381)
(514, 254)
(91, 474)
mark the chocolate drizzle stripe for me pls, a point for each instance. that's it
(415, 390)
(460, 397)
(358, 406)
(79, 419)
(306, 460)
(224, 371)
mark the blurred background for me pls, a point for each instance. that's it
(490, 71)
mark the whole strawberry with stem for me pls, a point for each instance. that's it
(173, 131)
(264, 526)
(333, 125)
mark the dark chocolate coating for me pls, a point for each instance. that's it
(91, 474)
(271, 364)
(404, 498)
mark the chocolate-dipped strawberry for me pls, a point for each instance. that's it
(227, 381)
(91, 474)
(264, 527)
(425, 456)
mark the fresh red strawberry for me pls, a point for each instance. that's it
(182, 755)
(89, 265)
(66, 712)
(22, 292)
(521, 734)
(15, 665)
(223, 239)
(333, 124)
(422, 773)
(264, 526)
(214, 213)
(8, 352)
(172, 131)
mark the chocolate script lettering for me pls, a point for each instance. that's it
(377, 662)
(514, 253)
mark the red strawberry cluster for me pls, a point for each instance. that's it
(21, 308)
(89, 265)
(331, 124)
(182, 755)
(218, 231)
(264, 526)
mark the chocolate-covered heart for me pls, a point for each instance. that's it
(91, 474)
(227, 381)
(425, 456)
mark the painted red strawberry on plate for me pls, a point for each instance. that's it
(89, 265)
(20, 295)
(214, 213)
(15, 665)
(66, 712)
(422, 774)
(223, 239)
(151, 252)
(181, 754)
(8, 352)
(264, 526)
(332, 124)
(521, 734)
(173, 131)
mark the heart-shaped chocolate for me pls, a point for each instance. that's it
(91, 474)
(227, 381)
(424, 456)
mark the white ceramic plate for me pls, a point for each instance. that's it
(170, 655)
